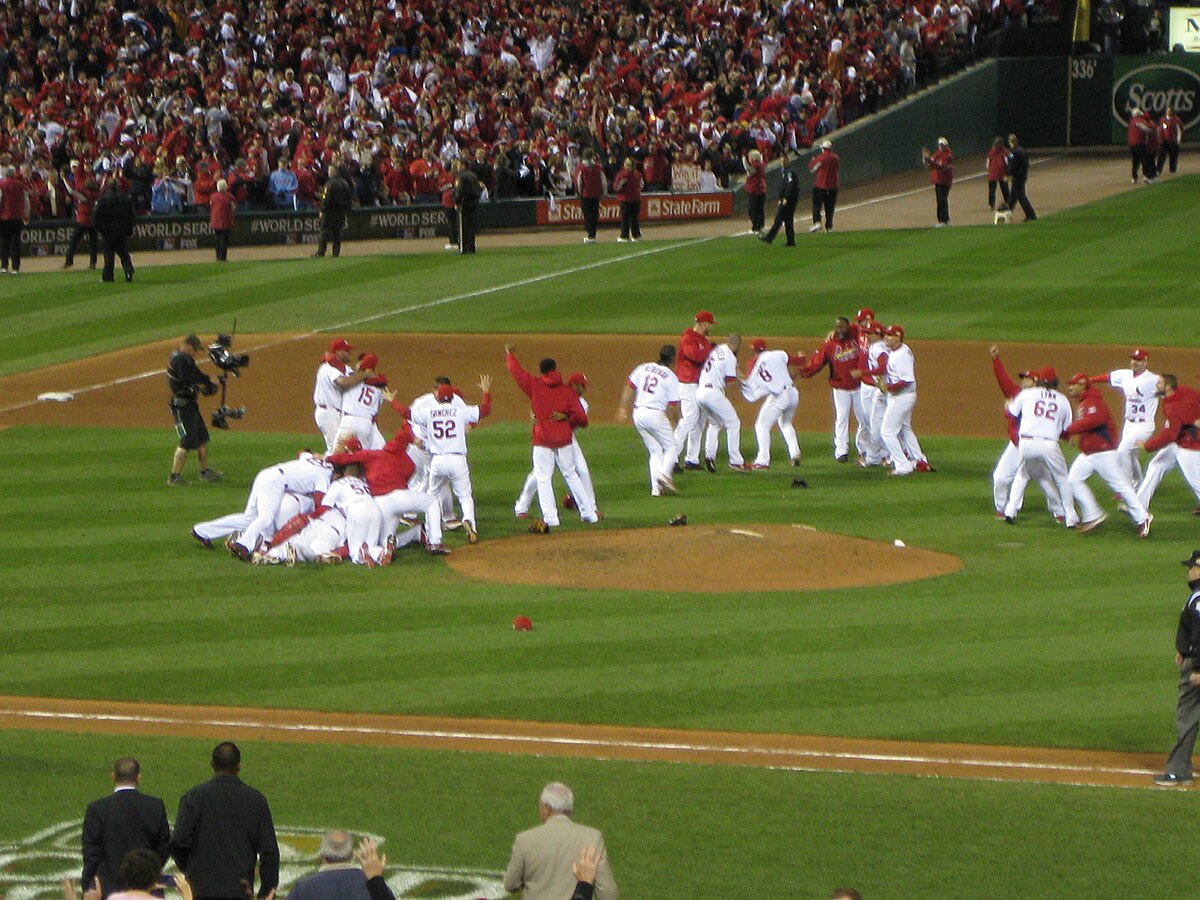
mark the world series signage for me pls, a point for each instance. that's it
(654, 208)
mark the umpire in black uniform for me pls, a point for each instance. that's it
(789, 196)
(223, 830)
(187, 381)
(336, 200)
(125, 820)
(467, 191)
(1187, 712)
(1018, 173)
(114, 218)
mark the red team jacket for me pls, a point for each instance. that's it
(826, 164)
(589, 179)
(941, 167)
(1180, 411)
(693, 354)
(1140, 128)
(842, 357)
(1170, 130)
(756, 178)
(220, 211)
(385, 470)
(628, 185)
(547, 395)
(997, 164)
(1093, 423)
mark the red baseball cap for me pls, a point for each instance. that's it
(1078, 378)
(759, 345)
(522, 623)
(1029, 373)
(865, 313)
(1047, 374)
(368, 361)
(896, 330)
(444, 392)
(577, 378)
(352, 444)
(705, 316)
(1138, 353)
(339, 345)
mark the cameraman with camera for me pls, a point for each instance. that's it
(187, 382)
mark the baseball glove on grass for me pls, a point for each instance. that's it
(537, 526)
(680, 519)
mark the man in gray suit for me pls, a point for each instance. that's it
(542, 856)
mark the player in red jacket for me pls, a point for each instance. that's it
(941, 173)
(690, 357)
(1009, 478)
(842, 355)
(1098, 442)
(557, 412)
(1178, 443)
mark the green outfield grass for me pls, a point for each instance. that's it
(1044, 638)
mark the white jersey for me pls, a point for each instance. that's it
(1141, 399)
(346, 492)
(363, 401)
(326, 393)
(720, 367)
(423, 403)
(446, 425)
(306, 475)
(901, 366)
(654, 386)
(770, 376)
(1043, 413)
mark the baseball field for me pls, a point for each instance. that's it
(769, 702)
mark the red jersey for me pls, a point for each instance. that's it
(756, 178)
(628, 185)
(997, 163)
(1009, 389)
(1139, 130)
(220, 211)
(85, 205)
(826, 165)
(1170, 130)
(1094, 424)
(589, 180)
(842, 357)
(547, 395)
(1180, 411)
(691, 356)
(14, 201)
(385, 470)
(941, 167)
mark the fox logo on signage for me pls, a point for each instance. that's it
(1154, 88)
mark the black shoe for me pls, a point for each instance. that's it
(710, 464)
(843, 458)
(677, 470)
(695, 467)
(129, 276)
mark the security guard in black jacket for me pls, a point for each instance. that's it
(467, 191)
(789, 196)
(336, 200)
(1187, 656)
(187, 381)
(1018, 174)
(114, 217)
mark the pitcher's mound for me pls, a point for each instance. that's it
(712, 559)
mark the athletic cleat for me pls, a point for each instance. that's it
(389, 551)
(862, 463)
(367, 559)
(739, 467)
(409, 521)
(204, 542)
(1061, 520)
(289, 558)
(330, 559)
(472, 534)
(845, 457)
(211, 475)
(522, 515)
(1144, 528)
(710, 464)
(758, 467)
(924, 466)
(237, 549)
(1000, 515)
(1167, 779)
(175, 480)
(695, 467)
(795, 462)
(1009, 520)
(1092, 525)
(438, 550)
(677, 469)
(666, 486)
(452, 524)
(814, 228)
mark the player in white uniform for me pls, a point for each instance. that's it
(578, 381)
(1044, 415)
(289, 505)
(1139, 385)
(334, 377)
(361, 405)
(719, 369)
(364, 521)
(307, 475)
(874, 401)
(318, 541)
(652, 389)
(900, 383)
(769, 377)
(445, 427)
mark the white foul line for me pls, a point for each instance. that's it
(598, 743)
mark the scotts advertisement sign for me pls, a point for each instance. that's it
(655, 208)
(1154, 88)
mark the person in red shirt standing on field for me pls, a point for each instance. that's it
(220, 217)
(824, 166)
(14, 216)
(628, 185)
(997, 172)
(690, 357)
(1170, 136)
(941, 172)
(589, 184)
(842, 354)
(1178, 443)
(756, 190)
(85, 196)
(1138, 138)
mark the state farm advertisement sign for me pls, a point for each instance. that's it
(655, 208)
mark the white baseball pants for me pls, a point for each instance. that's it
(777, 410)
(318, 537)
(1127, 450)
(266, 495)
(290, 505)
(420, 480)
(1163, 462)
(544, 461)
(722, 416)
(410, 503)
(1108, 465)
(1044, 461)
(1009, 480)
(874, 406)
(452, 468)
(896, 430)
(659, 437)
(691, 424)
(843, 403)
(364, 429)
(328, 419)
(529, 488)
(363, 524)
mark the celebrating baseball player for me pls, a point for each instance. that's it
(720, 369)
(769, 378)
(1140, 387)
(1009, 478)
(420, 455)
(1098, 454)
(445, 427)
(1178, 443)
(335, 376)
(873, 362)
(900, 385)
(693, 351)
(841, 352)
(361, 405)
(350, 495)
(1044, 415)
(578, 383)
(652, 390)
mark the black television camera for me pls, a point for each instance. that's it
(230, 363)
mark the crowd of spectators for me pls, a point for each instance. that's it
(174, 95)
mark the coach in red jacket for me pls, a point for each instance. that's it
(220, 217)
(690, 357)
(1178, 443)
(825, 167)
(589, 182)
(1141, 126)
(628, 185)
(557, 412)
(941, 172)
(841, 353)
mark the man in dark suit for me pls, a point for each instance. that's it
(124, 820)
(114, 217)
(789, 196)
(223, 828)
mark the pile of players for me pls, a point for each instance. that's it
(1039, 416)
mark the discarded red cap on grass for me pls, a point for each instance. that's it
(522, 623)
